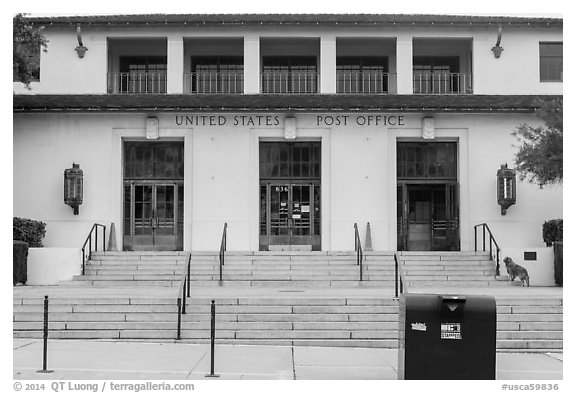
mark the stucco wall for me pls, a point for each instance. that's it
(358, 176)
(515, 72)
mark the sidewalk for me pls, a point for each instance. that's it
(95, 360)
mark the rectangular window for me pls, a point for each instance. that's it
(435, 160)
(438, 75)
(296, 74)
(217, 74)
(142, 74)
(551, 56)
(358, 74)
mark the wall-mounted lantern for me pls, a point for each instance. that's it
(73, 187)
(497, 49)
(80, 49)
(506, 186)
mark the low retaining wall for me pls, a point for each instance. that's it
(50, 265)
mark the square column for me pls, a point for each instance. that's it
(175, 59)
(328, 65)
(252, 65)
(404, 65)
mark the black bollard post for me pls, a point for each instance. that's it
(212, 339)
(45, 349)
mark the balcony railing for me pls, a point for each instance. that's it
(289, 82)
(214, 83)
(442, 83)
(137, 83)
(365, 82)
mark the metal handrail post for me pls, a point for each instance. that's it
(484, 237)
(475, 238)
(184, 297)
(179, 329)
(395, 276)
(188, 287)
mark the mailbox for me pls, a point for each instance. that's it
(449, 337)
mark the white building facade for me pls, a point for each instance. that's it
(289, 128)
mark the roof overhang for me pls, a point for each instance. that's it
(278, 103)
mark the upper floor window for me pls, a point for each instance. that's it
(216, 74)
(140, 75)
(289, 74)
(551, 62)
(438, 75)
(358, 74)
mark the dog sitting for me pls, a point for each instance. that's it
(515, 270)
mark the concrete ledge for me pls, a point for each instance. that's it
(50, 265)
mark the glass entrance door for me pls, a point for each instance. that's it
(290, 196)
(291, 215)
(153, 216)
(428, 217)
(153, 195)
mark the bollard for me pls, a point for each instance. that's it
(45, 349)
(212, 339)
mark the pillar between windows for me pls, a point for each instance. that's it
(175, 65)
(252, 65)
(328, 65)
(404, 65)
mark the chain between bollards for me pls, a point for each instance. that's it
(212, 339)
(45, 348)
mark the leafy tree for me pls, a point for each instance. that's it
(28, 40)
(540, 155)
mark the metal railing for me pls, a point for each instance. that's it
(398, 277)
(349, 82)
(86, 254)
(137, 83)
(491, 241)
(183, 293)
(442, 83)
(214, 83)
(289, 82)
(358, 249)
(222, 253)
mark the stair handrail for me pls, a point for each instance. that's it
(398, 277)
(86, 255)
(358, 249)
(491, 240)
(183, 293)
(222, 253)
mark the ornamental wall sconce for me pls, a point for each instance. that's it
(80, 49)
(497, 49)
(73, 187)
(506, 187)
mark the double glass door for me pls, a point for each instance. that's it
(290, 216)
(153, 216)
(428, 217)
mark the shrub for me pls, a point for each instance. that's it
(19, 262)
(552, 231)
(558, 263)
(29, 231)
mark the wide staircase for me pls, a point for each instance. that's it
(272, 298)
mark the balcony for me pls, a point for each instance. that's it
(350, 82)
(289, 82)
(442, 83)
(214, 83)
(137, 83)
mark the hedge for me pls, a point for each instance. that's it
(552, 231)
(29, 231)
(558, 263)
(19, 262)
